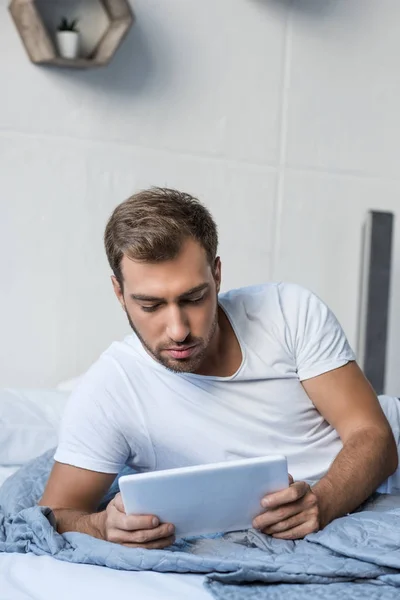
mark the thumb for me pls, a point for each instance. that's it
(119, 505)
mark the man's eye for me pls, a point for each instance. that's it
(188, 301)
(150, 308)
(196, 300)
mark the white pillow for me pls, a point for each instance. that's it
(69, 385)
(29, 422)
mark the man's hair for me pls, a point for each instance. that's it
(152, 225)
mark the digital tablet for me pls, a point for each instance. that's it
(208, 498)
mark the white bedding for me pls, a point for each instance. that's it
(29, 421)
(28, 577)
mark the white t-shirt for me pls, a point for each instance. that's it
(129, 409)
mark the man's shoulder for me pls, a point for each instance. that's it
(275, 305)
(129, 346)
(270, 292)
(108, 370)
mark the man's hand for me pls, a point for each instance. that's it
(73, 494)
(291, 513)
(135, 531)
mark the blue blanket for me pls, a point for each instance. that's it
(358, 555)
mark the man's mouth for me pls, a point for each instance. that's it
(182, 352)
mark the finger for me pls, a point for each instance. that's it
(155, 545)
(131, 522)
(287, 524)
(277, 515)
(119, 520)
(291, 494)
(291, 480)
(119, 536)
(117, 502)
(307, 504)
(148, 535)
(297, 533)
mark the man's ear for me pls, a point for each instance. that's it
(118, 291)
(217, 273)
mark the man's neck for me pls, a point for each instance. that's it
(225, 355)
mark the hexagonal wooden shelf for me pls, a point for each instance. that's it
(41, 49)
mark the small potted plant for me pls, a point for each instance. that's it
(68, 38)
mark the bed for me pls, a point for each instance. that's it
(29, 421)
(25, 576)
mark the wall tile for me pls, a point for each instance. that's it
(57, 310)
(191, 77)
(320, 246)
(345, 86)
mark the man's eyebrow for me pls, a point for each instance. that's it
(144, 298)
(198, 288)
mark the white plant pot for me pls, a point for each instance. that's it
(68, 43)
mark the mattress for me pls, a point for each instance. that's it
(27, 577)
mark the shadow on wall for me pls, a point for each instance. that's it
(317, 9)
(143, 63)
(136, 67)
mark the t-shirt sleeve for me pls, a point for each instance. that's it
(90, 436)
(317, 340)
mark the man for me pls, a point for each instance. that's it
(207, 377)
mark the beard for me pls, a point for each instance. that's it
(180, 365)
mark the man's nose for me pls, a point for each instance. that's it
(178, 327)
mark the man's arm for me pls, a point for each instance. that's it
(346, 400)
(74, 494)
(369, 455)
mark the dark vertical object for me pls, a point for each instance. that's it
(375, 293)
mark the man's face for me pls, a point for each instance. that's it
(172, 306)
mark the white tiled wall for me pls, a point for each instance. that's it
(281, 116)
